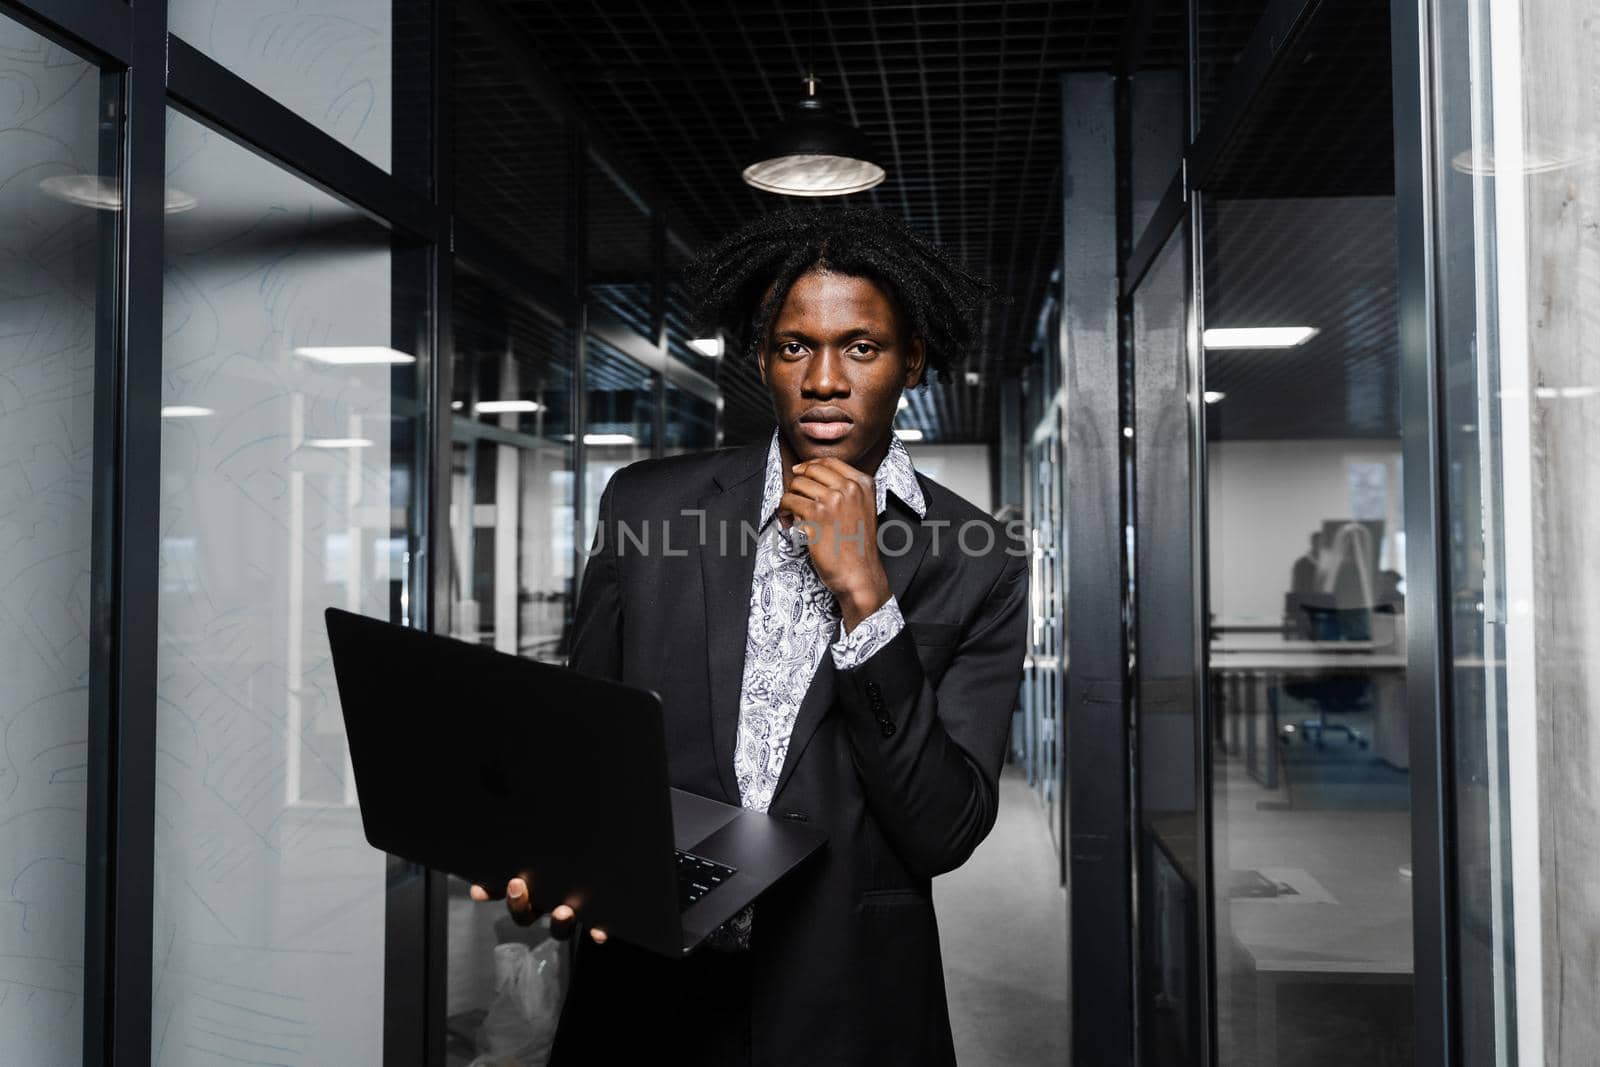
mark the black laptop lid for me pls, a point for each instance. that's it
(486, 765)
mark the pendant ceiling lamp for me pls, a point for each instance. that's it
(813, 154)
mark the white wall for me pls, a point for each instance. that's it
(1266, 497)
(963, 469)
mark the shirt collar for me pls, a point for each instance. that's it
(895, 475)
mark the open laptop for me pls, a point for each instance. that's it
(487, 766)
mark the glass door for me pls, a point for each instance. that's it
(1311, 784)
(1169, 831)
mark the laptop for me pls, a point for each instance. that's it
(487, 766)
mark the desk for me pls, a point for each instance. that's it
(1245, 667)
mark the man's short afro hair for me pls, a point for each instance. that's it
(939, 298)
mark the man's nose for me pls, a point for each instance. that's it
(825, 374)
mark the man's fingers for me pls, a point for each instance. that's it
(518, 902)
(562, 921)
(478, 893)
(597, 935)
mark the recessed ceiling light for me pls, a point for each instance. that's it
(1127, 431)
(498, 407)
(707, 346)
(1259, 336)
(1213, 397)
(909, 435)
(609, 439)
(457, 405)
(339, 442)
(353, 355)
(973, 377)
(185, 411)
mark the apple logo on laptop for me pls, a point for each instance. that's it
(496, 781)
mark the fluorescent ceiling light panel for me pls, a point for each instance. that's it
(609, 439)
(1259, 336)
(909, 435)
(353, 355)
(339, 442)
(1214, 397)
(185, 411)
(707, 346)
(501, 407)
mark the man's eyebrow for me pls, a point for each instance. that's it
(851, 331)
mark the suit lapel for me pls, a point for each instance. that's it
(727, 566)
(901, 568)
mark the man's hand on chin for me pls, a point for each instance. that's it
(837, 508)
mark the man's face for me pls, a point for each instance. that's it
(835, 363)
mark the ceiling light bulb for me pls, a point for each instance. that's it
(909, 435)
(707, 346)
(609, 439)
(185, 411)
(904, 403)
(1213, 397)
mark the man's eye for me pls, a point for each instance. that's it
(792, 348)
(863, 349)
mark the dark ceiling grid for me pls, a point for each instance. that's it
(951, 92)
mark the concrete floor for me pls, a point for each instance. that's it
(1003, 932)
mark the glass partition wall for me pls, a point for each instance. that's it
(315, 384)
(1345, 825)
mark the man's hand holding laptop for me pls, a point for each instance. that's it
(563, 920)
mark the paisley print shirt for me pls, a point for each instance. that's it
(793, 619)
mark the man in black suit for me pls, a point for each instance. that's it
(836, 639)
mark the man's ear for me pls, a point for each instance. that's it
(761, 362)
(916, 361)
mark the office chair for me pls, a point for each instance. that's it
(1340, 692)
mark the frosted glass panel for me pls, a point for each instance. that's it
(284, 491)
(329, 61)
(50, 250)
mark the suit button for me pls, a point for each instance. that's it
(886, 727)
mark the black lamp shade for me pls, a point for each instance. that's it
(814, 154)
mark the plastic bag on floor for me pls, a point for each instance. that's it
(530, 987)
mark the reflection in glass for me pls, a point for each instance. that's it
(1311, 787)
(512, 487)
(511, 554)
(621, 424)
(619, 242)
(691, 424)
(51, 251)
(294, 495)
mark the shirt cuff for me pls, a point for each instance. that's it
(852, 649)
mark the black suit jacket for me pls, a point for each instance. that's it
(897, 760)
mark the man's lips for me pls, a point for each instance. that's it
(825, 423)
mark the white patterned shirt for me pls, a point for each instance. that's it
(793, 619)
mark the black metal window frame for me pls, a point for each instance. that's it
(128, 40)
(1427, 694)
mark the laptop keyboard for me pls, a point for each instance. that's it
(698, 876)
